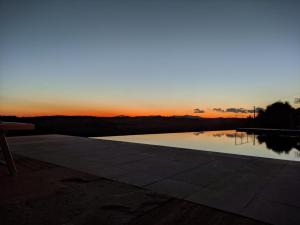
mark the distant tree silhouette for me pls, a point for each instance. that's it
(278, 115)
(297, 118)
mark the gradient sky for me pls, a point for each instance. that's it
(168, 57)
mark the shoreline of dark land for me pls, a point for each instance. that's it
(88, 126)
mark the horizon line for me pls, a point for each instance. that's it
(126, 116)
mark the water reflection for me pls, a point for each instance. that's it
(224, 141)
(280, 143)
(241, 138)
(277, 143)
(198, 133)
(231, 135)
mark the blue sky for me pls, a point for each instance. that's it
(146, 57)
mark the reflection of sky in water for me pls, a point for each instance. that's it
(230, 141)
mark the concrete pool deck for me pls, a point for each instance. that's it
(258, 188)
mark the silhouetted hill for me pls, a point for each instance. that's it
(122, 125)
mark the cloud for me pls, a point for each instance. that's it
(218, 109)
(257, 109)
(242, 110)
(237, 110)
(198, 111)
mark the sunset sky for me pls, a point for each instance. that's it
(159, 57)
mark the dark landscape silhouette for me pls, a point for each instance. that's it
(107, 126)
(279, 115)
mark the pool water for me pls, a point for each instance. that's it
(225, 141)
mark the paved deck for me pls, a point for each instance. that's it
(263, 189)
(70, 197)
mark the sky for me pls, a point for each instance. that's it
(215, 58)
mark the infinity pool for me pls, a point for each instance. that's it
(227, 141)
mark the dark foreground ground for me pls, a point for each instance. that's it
(44, 193)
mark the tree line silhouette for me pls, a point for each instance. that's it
(280, 115)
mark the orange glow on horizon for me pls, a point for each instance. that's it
(16, 107)
(112, 113)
